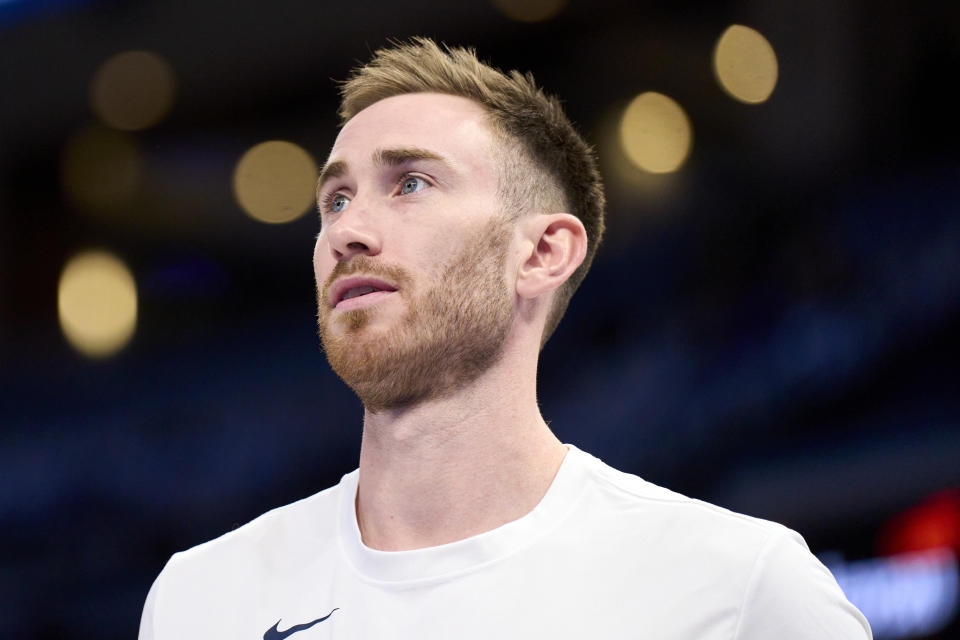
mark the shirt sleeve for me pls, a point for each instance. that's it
(792, 596)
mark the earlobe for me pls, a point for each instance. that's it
(557, 245)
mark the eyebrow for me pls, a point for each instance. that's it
(394, 157)
(381, 158)
(330, 171)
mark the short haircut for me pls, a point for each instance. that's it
(546, 166)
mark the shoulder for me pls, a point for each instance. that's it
(233, 571)
(273, 542)
(287, 526)
(685, 520)
(760, 569)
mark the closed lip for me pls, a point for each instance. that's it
(343, 285)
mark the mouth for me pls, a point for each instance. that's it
(356, 292)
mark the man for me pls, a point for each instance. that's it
(459, 211)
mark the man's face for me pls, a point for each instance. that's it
(411, 258)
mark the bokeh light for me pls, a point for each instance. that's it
(529, 10)
(133, 90)
(638, 202)
(101, 170)
(655, 133)
(97, 303)
(745, 64)
(275, 182)
(932, 524)
(622, 177)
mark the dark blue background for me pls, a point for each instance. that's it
(775, 333)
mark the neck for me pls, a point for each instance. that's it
(451, 468)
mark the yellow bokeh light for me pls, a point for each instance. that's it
(101, 169)
(133, 90)
(275, 182)
(97, 303)
(637, 200)
(529, 10)
(655, 133)
(745, 64)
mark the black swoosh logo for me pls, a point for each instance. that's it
(274, 633)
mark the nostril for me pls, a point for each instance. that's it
(357, 246)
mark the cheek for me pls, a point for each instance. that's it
(321, 258)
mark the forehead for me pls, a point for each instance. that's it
(453, 126)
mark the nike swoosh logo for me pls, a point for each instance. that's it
(275, 634)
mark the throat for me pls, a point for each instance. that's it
(422, 499)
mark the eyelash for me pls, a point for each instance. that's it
(327, 200)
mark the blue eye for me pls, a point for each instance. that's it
(412, 184)
(338, 203)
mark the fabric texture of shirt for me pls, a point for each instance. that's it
(604, 554)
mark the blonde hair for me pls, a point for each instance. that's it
(545, 165)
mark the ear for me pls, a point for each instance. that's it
(556, 245)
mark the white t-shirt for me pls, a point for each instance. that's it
(603, 555)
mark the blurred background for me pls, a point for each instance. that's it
(771, 323)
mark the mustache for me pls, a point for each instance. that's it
(368, 267)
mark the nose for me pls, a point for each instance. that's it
(352, 234)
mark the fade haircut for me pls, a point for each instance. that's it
(544, 164)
